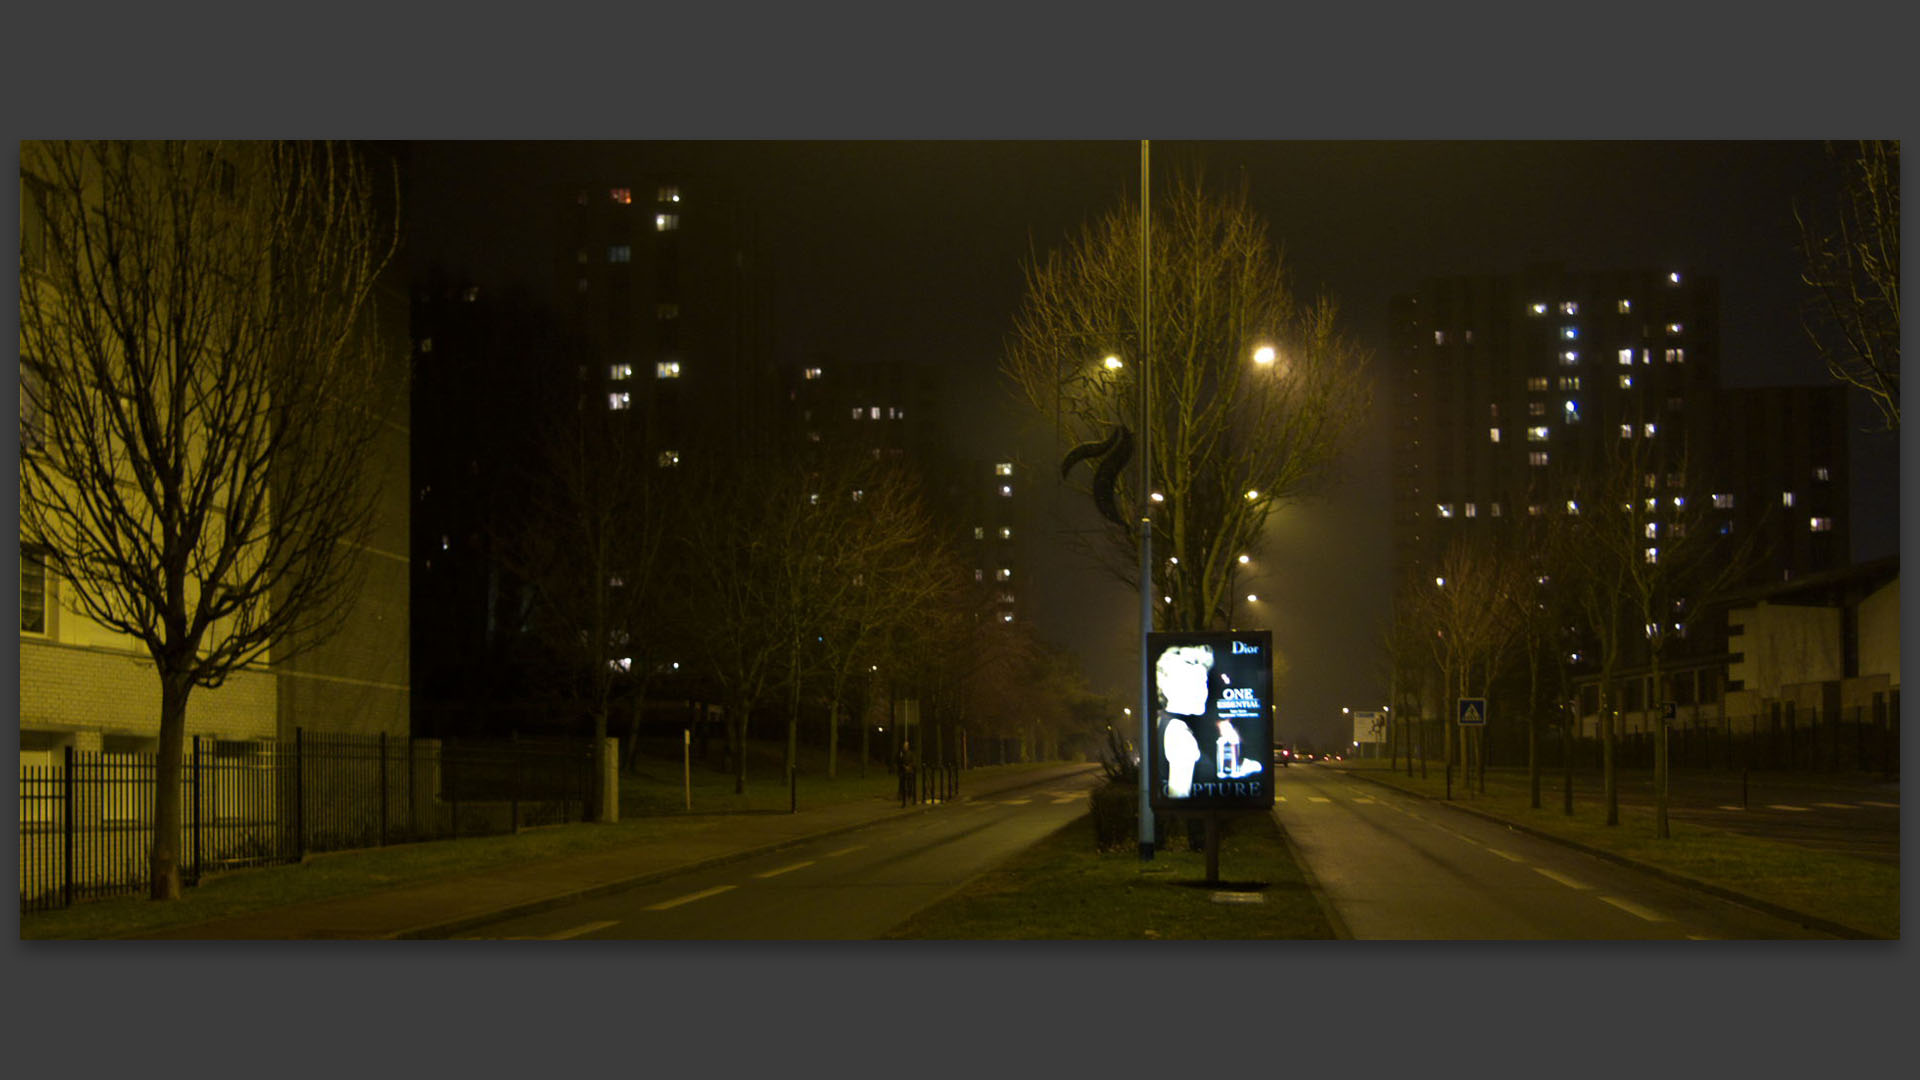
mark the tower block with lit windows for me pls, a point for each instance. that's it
(1508, 389)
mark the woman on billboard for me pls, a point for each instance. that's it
(1195, 742)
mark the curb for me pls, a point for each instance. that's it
(547, 903)
(1766, 906)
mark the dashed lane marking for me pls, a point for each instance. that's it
(1016, 802)
(784, 869)
(1632, 908)
(1882, 805)
(1561, 878)
(1363, 799)
(1700, 937)
(580, 930)
(1318, 798)
(691, 897)
(1065, 799)
(843, 851)
(1784, 806)
(1506, 855)
(1733, 808)
(1835, 805)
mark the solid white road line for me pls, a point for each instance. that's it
(691, 897)
(1506, 855)
(1561, 878)
(579, 930)
(1632, 908)
(843, 851)
(784, 869)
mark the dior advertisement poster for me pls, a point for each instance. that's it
(1213, 720)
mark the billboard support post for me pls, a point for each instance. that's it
(1146, 528)
(1213, 847)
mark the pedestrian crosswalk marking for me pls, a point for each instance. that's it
(1561, 878)
(1632, 908)
(691, 897)
(579, 930)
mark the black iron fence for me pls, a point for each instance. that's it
(86, 820)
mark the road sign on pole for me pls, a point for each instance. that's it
(1669, 711)
(1473, 712)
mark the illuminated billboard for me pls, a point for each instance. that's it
(1369, 727)
(1213, 720)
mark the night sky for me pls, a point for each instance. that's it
(884, 250)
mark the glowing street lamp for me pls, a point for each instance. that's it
(1263, 355)
(1113, 363)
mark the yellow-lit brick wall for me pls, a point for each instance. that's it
(75, 689)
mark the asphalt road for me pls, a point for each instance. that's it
(852, 886)
(1395, 867)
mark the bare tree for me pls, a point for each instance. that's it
(1853, 265)
(1469, 619)
(1254, 392)
(198, 361)
(590, 543)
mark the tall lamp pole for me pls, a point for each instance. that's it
(1146, 531)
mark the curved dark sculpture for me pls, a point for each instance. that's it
(1114, 452)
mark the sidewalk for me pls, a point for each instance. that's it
(449, 905)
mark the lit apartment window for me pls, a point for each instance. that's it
(1569, 382)
(1676, 356)
(426, 345)
(1673, 329)
(33, 592)
(811, 373)
(1537, 382)
(1445, 510)
(1626, 431)
(1820, 524)
(668, 193)
(1496, 509)
(1006, 532)
(1004, 468)
(1537, 434)
(858, 494)
(896, 414)
(471, 294)
(666, 369)
(1652, 531)
(873, 412)
(1469, 337)
(1439, 337)
(619, 399)
(1569, 333)
(1535, 509)
(1472, 510)
(1573, 507)
(1537, 458)
(1646, 356)
(1006, 489)
(1538, 309)
(666, 222)
(1568, 307)
(1786, 498)
(1003, 574)
(813, 498)
(1821, 474)
(1571, 409)
(666, 310)
(813, 436)
(979, 532)
(1536, 408)
(1673, 278)
(1006, 616)
(858, 412)
(1653, 554)
(1626, 382)
(620, 371)
(1570, 357)
(1722, 502)
(1625, 306)
(1493, 434)
(1626, 357)
(669, 458)
(619, 253)
(1651, 429)
(623, 196)
(615, 581)
(1679, 502)
(979, 575)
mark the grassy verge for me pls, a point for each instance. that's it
(1860, 893)
(648, 816)
(1064, 889)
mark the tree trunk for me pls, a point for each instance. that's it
(164, 862)
(1660, 762)
(1606, 758)
(737, 735)
(833, 738)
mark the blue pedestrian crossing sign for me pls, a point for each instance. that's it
(1473, 712)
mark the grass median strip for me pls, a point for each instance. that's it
(1064, 889)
